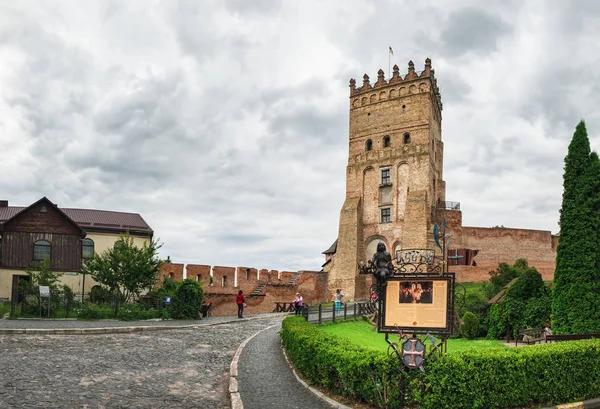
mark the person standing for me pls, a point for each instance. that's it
(298, 304)
(338, 300)
(241, 302)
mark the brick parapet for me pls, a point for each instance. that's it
(175, 270)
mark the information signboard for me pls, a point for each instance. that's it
(418, 304)
(44, 291)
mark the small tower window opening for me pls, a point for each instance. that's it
(199, 277)
(386, 176)
(386, 214)
(369, 145)
(172, 276)
(247, 274)
(406, 138)
(224, 281)
(386, 141)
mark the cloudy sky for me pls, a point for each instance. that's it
(225, 123)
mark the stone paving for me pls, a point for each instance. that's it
(183, 368)
(266, 380)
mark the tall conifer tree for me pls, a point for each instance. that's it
(576, 298)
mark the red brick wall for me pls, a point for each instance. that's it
(500, 244)
(167, 268)
(200, 273)
(218, 272)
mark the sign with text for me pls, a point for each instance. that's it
(418, 304)
(44, 291)
(415, 256)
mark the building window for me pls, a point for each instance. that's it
(87, 248)
(406, 138)
(247, 274)
(386, 141)
(41, 250)
(199, 277)
(172, 276)
(386, 176)
(224, 281)
(386, 215)
(369, 144)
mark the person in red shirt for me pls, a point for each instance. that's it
(241, 302)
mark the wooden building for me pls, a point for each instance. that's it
(65, 236)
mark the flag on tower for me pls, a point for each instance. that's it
(391, 51)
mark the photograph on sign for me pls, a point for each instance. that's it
(417, 303)
(416, 292)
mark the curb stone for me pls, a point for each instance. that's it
(318, 394)
(588, 404)
(118, 330)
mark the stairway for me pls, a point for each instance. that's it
(293, 279)
(259, 289)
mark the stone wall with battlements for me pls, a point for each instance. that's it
(503, 245)
(262, 287)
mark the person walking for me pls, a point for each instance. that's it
(241, 303)
(298, 304)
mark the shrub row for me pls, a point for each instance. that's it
(546, 374)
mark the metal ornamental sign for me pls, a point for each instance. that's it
(413, 353)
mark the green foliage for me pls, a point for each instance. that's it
(127, 312)
(470, 326)
(541, 375)
(188, 300)
(577, 276)
(503, 275)
(498, 378)
(125, 269)
(526, 304)
(340, 366)
(41, 274)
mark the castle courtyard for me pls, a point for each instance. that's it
(182, 368)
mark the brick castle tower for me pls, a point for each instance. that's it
(394, 174)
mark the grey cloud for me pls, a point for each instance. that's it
(472, 30)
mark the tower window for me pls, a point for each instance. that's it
(386, 176)
(406, 138)
(369, 144)
(386, 141)
(386, 214)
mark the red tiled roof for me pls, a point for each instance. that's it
(92, 219)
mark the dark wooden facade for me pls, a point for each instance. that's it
(41, 221)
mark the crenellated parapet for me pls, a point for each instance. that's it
(397, 86)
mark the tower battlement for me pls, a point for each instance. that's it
(412, 82)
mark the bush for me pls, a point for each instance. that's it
(188, 300)
(543, 375)
(470, 326)
(91, 311)
(527, 304)
(540, 375)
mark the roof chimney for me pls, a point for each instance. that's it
(3, 203)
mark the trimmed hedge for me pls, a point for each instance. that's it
(547, 374)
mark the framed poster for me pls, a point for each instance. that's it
(418, 303)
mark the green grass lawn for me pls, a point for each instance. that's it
(359, 333)
(4, 308)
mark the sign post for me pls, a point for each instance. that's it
(44, 293)
(415, 296)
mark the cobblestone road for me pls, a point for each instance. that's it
(185, 368)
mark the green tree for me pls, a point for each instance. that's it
(126, 269)
(188, 300)
(41, 274)
(576, 296)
